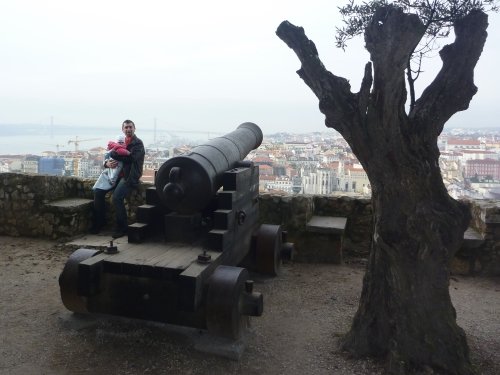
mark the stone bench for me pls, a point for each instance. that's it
(323, 240)
(472, 239)
(65, 218)
(467, 260)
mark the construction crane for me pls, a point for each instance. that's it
(77, 141)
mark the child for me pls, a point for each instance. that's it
(109, 176)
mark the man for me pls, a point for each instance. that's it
(131, 173)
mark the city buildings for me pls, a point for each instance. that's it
(316, 163)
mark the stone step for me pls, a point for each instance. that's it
(472, 239)
(152, 197)
(147, 213)
(70, 204)
(138, 232)
(68, 217)
(326, 224)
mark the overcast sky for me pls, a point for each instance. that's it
(191, 65)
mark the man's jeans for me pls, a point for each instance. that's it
(119, 194)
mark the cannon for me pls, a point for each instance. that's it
(187, 183)
(189, 254)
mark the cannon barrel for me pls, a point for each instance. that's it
(188, 182)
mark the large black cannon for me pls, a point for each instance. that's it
(187, 183)
(188, 254)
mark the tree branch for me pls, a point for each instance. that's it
(391, 37)
(364, 91)
(453, 88)
(334, 93)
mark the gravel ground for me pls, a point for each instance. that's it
(306, 310)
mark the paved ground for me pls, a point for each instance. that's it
(307, 309)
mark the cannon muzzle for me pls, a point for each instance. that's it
(187, 183)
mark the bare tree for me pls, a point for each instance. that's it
(405, 313)
(438, 17)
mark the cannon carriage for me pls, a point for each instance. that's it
(188, 255)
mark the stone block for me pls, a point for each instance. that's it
(326, 224)
(322, 240)
(319, 248)
(470, 257)
(472, 239)
(68, 217)
(138, 232)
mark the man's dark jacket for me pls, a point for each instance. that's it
(133, 163)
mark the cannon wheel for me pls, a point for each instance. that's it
(225, 288)
(68, 281)
(268, 249)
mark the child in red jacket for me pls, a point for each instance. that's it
(109, 176)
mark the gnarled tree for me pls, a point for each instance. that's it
(405, 313)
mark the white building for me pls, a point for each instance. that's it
(95, 170)
(355, 180)
(319, 181)
(282, 183)
(83, 168)
(30, 164)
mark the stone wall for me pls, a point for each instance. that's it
(28, 205)
(486, 258)
(25, 211)
(294, 211)
(23, 199)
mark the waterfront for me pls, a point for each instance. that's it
(32, 141)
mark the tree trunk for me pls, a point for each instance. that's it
(405, 313)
